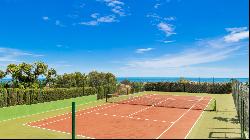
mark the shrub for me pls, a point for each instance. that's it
(15, 96)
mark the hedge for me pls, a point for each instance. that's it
(192, 87)
(15, 96)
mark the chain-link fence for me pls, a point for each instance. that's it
(240, 94)
(191, 87)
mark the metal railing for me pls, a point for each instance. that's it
(240, 93)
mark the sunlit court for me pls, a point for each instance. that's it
(147, 116)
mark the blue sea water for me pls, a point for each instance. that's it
(171, 79)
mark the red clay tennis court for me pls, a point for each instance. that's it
(149, 116)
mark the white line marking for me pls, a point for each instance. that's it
(59, 131)
(197, 120)
(145, 108)
(55, 110)
(178, 119)
(45, 112)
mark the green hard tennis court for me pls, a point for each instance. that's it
(209, 124)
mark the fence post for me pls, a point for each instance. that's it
(238, 100)
(241, 122)
(170, 86)
(73, 120)
(215, 105)
(243, 115)
(199, 85)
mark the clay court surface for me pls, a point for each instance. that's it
(114, 120)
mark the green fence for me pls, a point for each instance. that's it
(191, 87)
(240, 93)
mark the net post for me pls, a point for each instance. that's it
(73, 120)
(215, 108)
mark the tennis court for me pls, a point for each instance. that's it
(146, 116)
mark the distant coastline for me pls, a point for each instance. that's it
(175, 79)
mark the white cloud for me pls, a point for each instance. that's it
(169, 18)
(158, 18)
(9, 55)
(201, 52)
(156, 6)
(45, 18)
(110, 18)
(94, 15)
(117, 9)
(184, 59)
(144, 50)
(114, 2)
(97, 21)
(153, 15)
(162, 23)
(58, 23)
(193, 71)
(82, 5)
(168, 29)
(61, 46)
(117, 6)
(236, 34)
(89, 23)
(236, 29)
(168, 41)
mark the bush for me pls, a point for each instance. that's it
(100, 94)
(15, 96)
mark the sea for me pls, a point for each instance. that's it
(171, 79)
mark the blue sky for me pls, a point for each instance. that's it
(189, 38)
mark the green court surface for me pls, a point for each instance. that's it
(212, 124)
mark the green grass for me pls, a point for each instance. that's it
(211, 125)
(24, 110)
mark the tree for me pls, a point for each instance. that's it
(50, 76)
(126, 82)
(26, 75)
(94, 79)
(2, 74)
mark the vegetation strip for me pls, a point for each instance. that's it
(46, 112)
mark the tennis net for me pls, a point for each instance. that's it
(168, 101)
